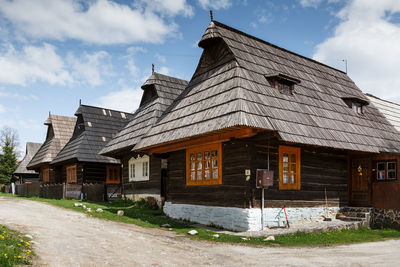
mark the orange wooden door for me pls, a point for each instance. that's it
(360, 191)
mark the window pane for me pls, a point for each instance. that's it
(285, 178)
(199, 175)
(293, 178)
(381, 175)
(293, 158)
(293, 168)
(391, 166)
(214, 163)
(285, 157)
(207, 174)
(192, 157)
(215, 174)
(207, 165)
(199, 156)
(199, 165)
(214, 154)
(192, 165)
(192, 176)
(285, 167)
(207, 155)
(391, 175)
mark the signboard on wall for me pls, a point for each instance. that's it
(264, 178)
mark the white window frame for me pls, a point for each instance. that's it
(139, 163)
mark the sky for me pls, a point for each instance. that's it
(55, 53)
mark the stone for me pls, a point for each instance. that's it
(170, 229)
(216, 235)
(99, 210)
(89, 210)
(270, 238)
(193, 232)
(120, 213)
(244, 238)
(84, 206)
(78, 204)
(28, 236)
(166, 225)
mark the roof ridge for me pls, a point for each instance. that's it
(170, 76)
(384, 100)
(90, 106)
(275, 46)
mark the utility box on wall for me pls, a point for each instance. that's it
(264, 178)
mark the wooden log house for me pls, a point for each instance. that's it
(59, 131)
(253, 105)
(22, 174)
(79, 162)
(144, 175)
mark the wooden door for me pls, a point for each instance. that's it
(360, 186)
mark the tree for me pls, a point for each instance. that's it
(8, 158)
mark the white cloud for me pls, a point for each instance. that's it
(127, 100)
(214, 4)
(160, 58)
(2, 109)
(310, 3)
(130, 60)
(369, 40)
(89, 68)
(97, 21)
(164, 70)
(32, 63)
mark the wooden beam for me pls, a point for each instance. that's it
(211, 138)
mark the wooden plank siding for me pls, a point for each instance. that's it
(320, 169)
(232, 192)
(153, 185)
(384, 194)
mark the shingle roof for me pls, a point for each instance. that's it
(31, 150)
(95, 126)
(166, 89)
(232, 90)
(59, 131)
(389, 109)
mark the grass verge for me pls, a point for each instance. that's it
(15, 249)
(141, 214)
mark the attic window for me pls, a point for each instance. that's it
(103, 138)
(89, 124)
(123, 115)
(358, 105)
(104, 112)
(109, 112)
(283, 83)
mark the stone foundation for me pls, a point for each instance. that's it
(386, 218)
(238, 219)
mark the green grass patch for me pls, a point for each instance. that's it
(140, 213)
(15, 249)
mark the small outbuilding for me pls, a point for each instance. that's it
(21, 172)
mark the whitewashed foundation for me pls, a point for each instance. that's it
(238, 219)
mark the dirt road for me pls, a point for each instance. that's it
(67, 238)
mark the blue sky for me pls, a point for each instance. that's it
(53, 53)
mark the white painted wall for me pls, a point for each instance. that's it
(244, 219)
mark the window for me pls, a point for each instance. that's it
(71, 174)
(46, 175)
(289, 168)
(284, 87)
(203, 165)
(139, 168)
(113, 175)
(358, 108)
(386, 170)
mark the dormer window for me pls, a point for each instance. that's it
(282, 82)
(358, 105)
(284, 88)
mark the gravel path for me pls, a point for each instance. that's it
(67, 238)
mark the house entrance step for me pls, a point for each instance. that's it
(361, 215)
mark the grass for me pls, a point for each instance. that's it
(14, 248)
(140, 213)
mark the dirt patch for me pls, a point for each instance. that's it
(67, 238)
